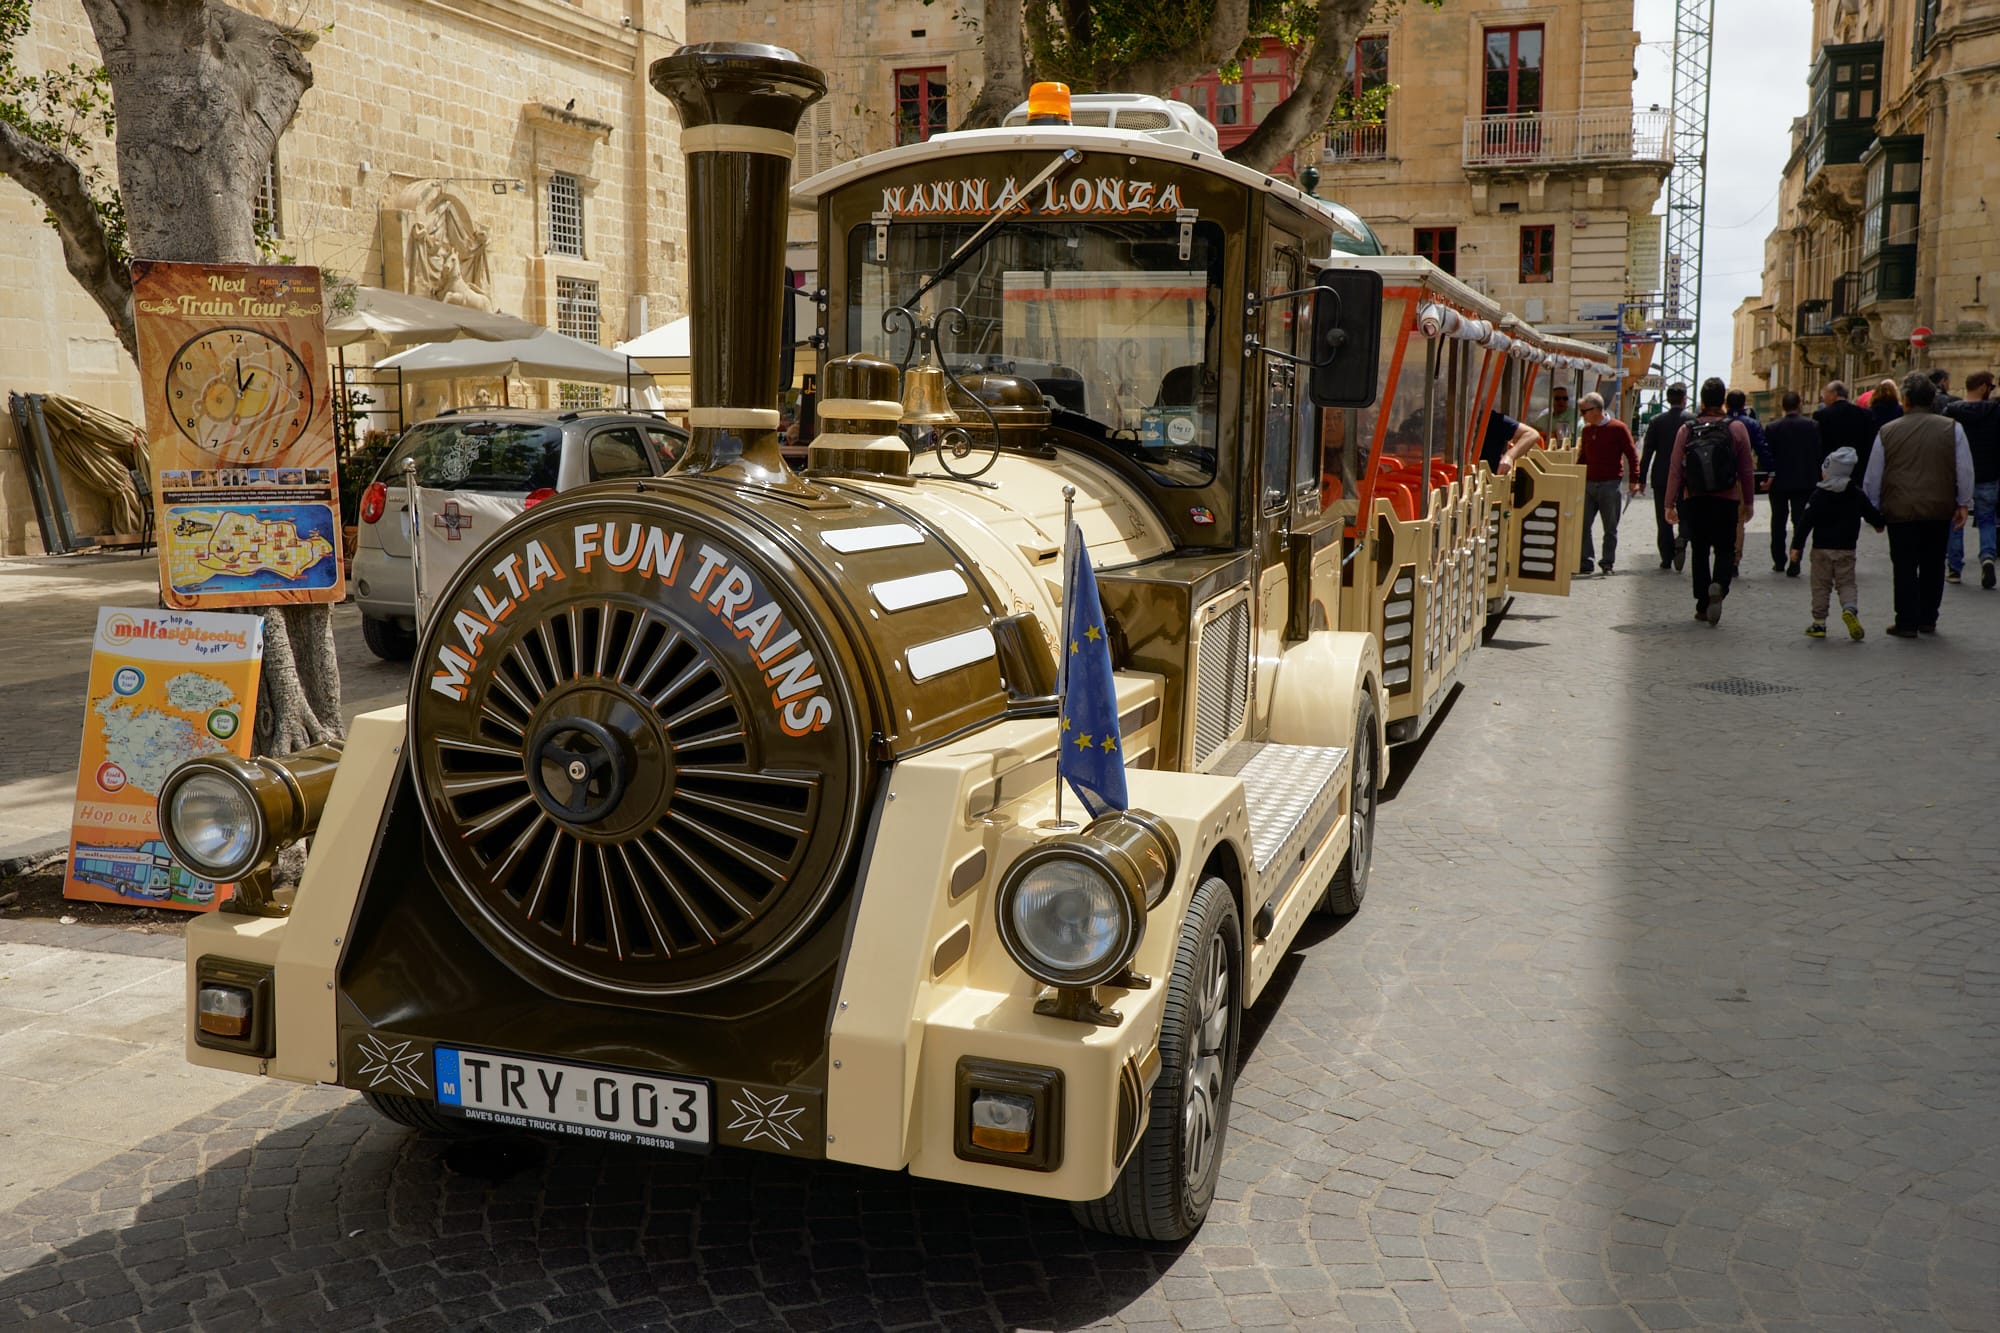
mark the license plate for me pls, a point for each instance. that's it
(615, 1105)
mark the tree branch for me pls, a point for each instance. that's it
(55, 179)
(1316, 87)
(1215, 45)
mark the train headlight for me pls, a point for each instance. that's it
(1072, 910)
(212, 822)
(227, 818)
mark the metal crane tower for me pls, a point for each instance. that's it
(1687, 190)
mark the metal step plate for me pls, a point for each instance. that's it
(1291, 793)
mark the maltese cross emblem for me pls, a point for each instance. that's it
(766, 1117)
(394, 1063)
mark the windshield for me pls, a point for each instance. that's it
(478, 456)
(1111, 320)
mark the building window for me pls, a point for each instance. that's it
(922, 107)
(576, 308)
(265, 216)
(1367, 67)
(1237, 108)
(1514, 71)
(1538, 254)
(1927, 24)
(574, 397)
(565, 216)
(1440, 246)
(1893, 185)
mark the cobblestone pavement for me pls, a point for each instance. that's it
(1673, 1005)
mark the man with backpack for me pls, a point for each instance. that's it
(1659, 451)
(1711, 490)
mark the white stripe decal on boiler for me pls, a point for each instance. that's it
(942, 655)
(875, 537)
(919, 589)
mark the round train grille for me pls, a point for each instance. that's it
(616, 788)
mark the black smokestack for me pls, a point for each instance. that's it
(739, 104)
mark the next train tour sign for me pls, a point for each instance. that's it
(977, 196)
(716, 581)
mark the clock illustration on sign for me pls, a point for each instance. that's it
(240, 394)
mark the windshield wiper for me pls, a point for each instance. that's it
(1069, 157)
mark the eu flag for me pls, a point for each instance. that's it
(1092, 758)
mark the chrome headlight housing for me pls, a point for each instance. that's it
(226, 818)
(211, 818)
(1072, 910)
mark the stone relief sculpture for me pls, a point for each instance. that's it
(444, 250)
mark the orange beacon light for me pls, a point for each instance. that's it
(1048, 104)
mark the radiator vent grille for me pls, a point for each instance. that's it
(1222, 680)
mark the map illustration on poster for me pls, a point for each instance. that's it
(164, 686)
(239, 423)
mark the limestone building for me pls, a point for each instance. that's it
(1511, 154)
(1885, 208)
(897, 72)
(510, 156)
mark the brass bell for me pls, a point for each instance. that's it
(924, 402)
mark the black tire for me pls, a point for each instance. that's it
(418, 1115)
(1350, 881)
(1169, 1181)
(388, 640)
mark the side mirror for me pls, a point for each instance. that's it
(1347, 337)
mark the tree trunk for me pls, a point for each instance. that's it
(1003, 41)
(1315, 87)
(202, 92)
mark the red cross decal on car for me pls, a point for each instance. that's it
(450, 521)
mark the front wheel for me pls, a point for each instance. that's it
(1168, 1183)
(1350, 881)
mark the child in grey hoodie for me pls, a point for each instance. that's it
(1833, 517)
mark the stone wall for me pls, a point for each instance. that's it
(481, 98)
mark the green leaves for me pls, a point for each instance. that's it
(68, 110)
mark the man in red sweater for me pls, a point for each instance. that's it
(1611, 472)
(1720, 487)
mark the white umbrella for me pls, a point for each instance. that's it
(669, 339)
(400, 318)
(546, 356)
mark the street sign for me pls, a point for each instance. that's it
(1650, 383)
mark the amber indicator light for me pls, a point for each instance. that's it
(1048, 104)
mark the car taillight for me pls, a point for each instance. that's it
(373, 501)
(538, 495)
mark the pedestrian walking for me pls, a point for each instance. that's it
(1610, 473)
(1844, 424)
(1884, 405)
(1941, 381)
(1920, 477)
(1738, 404)
(1653, 464)
(1978, 413)
(1710, 483)
(1796, 455)
(1832, 516)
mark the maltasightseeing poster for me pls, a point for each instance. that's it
(164, 686)
(239, 421)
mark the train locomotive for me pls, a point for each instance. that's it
(723, 811)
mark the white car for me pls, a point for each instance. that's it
(476, 468)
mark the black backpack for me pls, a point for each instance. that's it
(1709, 464)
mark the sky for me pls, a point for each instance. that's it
(1760, 56)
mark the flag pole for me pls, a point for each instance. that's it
(1062, 650)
